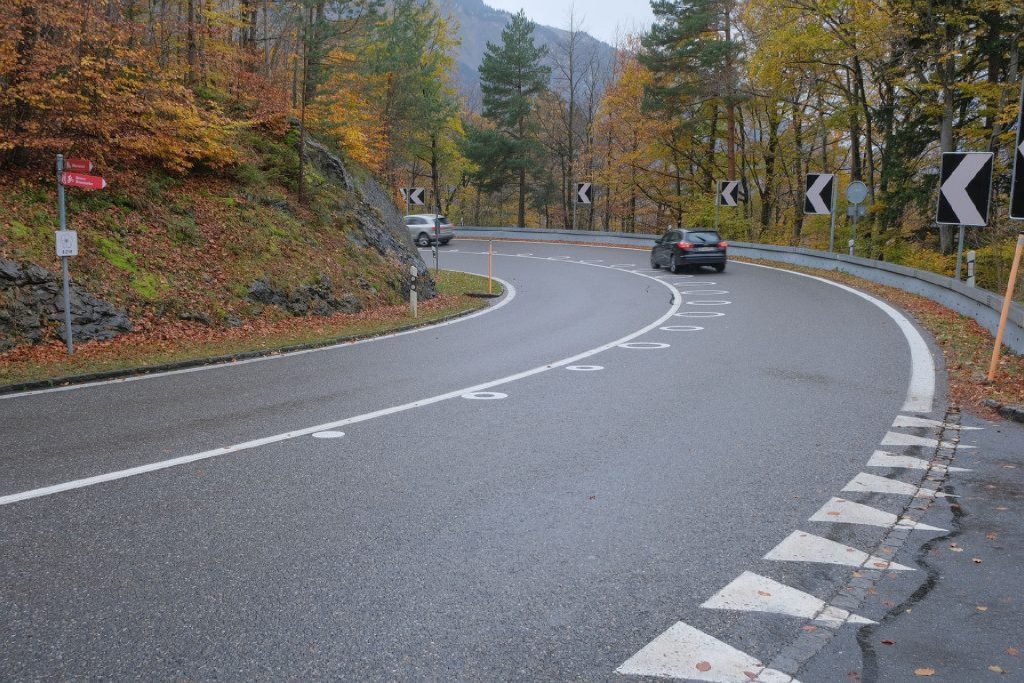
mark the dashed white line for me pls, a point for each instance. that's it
(872, 483)
(901, 439)
(708, 303)
(905, 421)
(839, 510)
(751, 592)
(801, 546)
(685, 652)
(886, 459)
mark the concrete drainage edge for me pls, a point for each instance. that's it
(1015, 413)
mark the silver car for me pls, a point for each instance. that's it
(422, 229)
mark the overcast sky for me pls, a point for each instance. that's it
(603, 19)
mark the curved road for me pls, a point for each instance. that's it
(550, 490)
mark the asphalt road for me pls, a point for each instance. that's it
(551, 526)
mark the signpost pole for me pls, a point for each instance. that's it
(832, 228)
(960, 252)
(1010, 285)
(68, 338)
(575, 203)
(718, 202)
(853, 230)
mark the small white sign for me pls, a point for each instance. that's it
(67, 243)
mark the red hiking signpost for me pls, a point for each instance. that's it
(82, 181)
(71, 173)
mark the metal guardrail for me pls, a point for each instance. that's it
(980, 304)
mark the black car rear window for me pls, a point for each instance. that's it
(704, 237)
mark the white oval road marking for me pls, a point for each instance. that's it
(585, 368)
(328, 435)
(704, 291)
(644, 345)
(708, 303)
(700, 314)
(681, 328)
(484, 396)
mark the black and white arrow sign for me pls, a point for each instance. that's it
(584, 193)
(965, 188)
(414, 195)
(1017, 184)
(730, 192)
(820, 190)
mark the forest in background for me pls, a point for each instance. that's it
(758, 90)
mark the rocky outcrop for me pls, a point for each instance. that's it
(32, 300)
(380, 223)
(314, 299)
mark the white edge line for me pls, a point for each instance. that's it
(921, 389)
(510, 294)
(186, 459)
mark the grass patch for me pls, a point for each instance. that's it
(175, 341)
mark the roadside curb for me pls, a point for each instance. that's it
(214, 360)
(1015, 413)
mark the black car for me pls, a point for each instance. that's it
(678, 249)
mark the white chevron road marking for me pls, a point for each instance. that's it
(908, 462)
(685, 652)
(801, 546)
(901, 439)
(840, 510)
(910, 421)
(751, 592)
(872, 483)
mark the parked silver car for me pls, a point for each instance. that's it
(422, 230)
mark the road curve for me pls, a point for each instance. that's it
(538, 492)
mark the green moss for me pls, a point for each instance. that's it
(116, 254)
(146, 285)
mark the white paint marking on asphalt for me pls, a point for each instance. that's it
(591, 261)
(328, 435)
(510, 294)
(484, 396)
(872, 483)
(921, 389)
(524, 254)
(685, 652)
(901, 439)
(700, 314)
(839, 510)
(904, 421)
(585, 368)
(681, 328)
(801, 546)
(286, 436)
(704, 291)
(751, 592)
(909, 462)
(644, 346)
(708, 303)
(623, 265)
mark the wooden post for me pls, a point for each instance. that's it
(1006, 307)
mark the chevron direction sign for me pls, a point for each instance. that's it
(965, 188)
(414, 195)
(584, 193)
(821, 189)
(1017, 184)
(730, 192)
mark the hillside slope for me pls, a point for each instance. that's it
(214, 248)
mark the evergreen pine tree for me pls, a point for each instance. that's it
(512, 76)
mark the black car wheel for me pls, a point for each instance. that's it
(423, 240)
(719, 268)
(654, 264)
(445, 242)
(676, 267)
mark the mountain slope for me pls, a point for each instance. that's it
(479, 24)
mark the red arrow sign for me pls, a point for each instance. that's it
(85, 182)
(81, 165)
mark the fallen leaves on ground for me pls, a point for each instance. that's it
(703, 666)
(924, 671)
